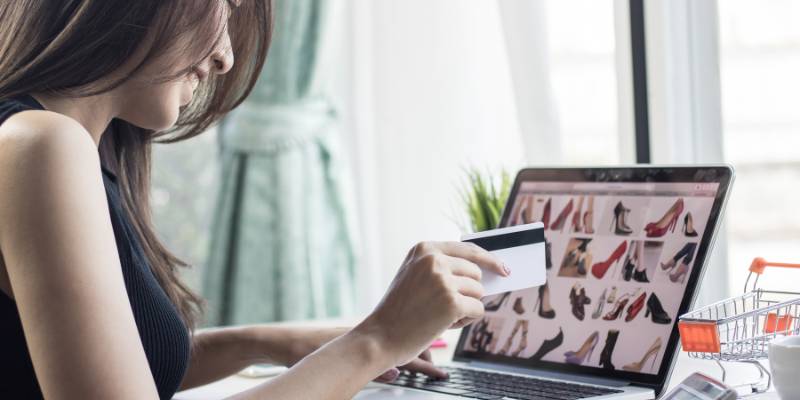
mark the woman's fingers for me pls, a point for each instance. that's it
(426, 355)
(469, 287)
(475, 254)
(462, 267)
(425, 367)
(470, 307)
(388, 376)
(462, 323)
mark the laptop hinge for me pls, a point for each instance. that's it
(592, 380)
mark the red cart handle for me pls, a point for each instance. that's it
(759, 264)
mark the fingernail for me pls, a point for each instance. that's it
(392, 374)
(508, 270)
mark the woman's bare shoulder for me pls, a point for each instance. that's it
(39, 144)
(44, 155)
(39, 130)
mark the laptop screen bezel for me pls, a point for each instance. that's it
(721, 174)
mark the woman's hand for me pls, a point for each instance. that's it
(313, 339)
(437, 287)
(423, 364)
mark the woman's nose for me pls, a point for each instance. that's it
(222, 58)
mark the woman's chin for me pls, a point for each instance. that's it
(166, 121)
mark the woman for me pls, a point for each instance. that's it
(91, 304)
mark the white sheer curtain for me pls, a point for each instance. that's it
(685, 105)
(525, 28)
(431, 89)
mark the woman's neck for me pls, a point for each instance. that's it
(94, 113)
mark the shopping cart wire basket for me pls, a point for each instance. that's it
(740, 328)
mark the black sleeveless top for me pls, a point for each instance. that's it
(164, 336)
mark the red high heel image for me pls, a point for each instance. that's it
(618, 307)
(599, 270)
(546, 215)
(558, 224)
(635, 307)
(667, 222)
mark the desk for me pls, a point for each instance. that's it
(684, 367)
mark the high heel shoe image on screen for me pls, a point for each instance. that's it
(608, 349)
(546, 214)
(599, 270)
(688, 226)
(678, 271)
(546, 310)
(560, 222)
(521, 325)
(495, 302)
(651, 352)
(656, 311)
(636, 306)
(588, 217)
(579, 300)
(619, 224)
(576, 217)
(618, 307)
(667, 222)
(585, 352)
(601, 302)
(548, 346)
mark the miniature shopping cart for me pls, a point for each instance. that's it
(740, 329)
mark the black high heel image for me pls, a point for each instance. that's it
(548, 258)
(581, 263)
(688, 226)
(608, 350)
(544, 297)
(640, 276)
(548, 346)
(495, 305)
(618, 224)
(640, 272)
(654, 308)
(628, 266)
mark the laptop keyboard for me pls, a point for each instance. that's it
(486, 385)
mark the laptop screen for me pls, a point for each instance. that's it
(622, 256)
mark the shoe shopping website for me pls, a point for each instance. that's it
(618, 260)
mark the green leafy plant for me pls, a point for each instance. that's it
(484, 198)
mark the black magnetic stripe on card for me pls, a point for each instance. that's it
(509, 240)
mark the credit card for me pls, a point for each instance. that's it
(521, 248)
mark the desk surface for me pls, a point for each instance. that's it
(684, 367)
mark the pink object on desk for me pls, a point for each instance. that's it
(438, 343)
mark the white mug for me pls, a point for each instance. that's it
(784, 361)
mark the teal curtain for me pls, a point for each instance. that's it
(281, 247)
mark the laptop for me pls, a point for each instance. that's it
(626, 250)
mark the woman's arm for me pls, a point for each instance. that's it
(437, 287)
(221, 352)
(61, 257)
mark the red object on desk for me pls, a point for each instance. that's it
(439, 343)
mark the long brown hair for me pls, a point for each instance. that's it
(66, 47)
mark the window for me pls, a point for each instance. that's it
(760, 81)
(581, 41)
(184, 190)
